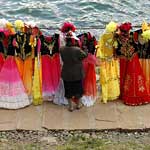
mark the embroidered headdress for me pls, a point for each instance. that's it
(19, 25)
(146, 31)
(67, 26)
(111, 27)
(146, 35)
(145, 26)
(68, 29)
(125, 27)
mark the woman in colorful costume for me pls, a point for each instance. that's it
(28, 48)
(142, 40)
(51, 67)
(12, 92)
(109, 66)
(6, 28)
(19, 44)
(37, 76)
(88, 43)
(132, 80)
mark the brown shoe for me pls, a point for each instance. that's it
(71, 109)
(79, 105)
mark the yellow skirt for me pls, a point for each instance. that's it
(37, 83)
(109, 80)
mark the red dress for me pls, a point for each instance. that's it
(132, 80)
(134, 91)
(89, 82)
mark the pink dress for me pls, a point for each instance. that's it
(50, 74)
(47, 89)
(12, 91)
(51, 67)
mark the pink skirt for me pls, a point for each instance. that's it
(50, 75)
(12, 91)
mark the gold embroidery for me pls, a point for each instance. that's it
(127, 83)
(141, 87)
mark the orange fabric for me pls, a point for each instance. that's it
(145, 64)
(19, 63)
(27, 74)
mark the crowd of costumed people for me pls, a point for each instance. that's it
(31, 64)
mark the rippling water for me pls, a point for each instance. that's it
(83, 13)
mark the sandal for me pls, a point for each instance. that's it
(71, 108)
(79, 105)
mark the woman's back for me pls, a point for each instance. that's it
(72, 63)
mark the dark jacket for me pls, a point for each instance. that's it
(72, 57)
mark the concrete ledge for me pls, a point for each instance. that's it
(111, 116)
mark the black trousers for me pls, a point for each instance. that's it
(73, 88)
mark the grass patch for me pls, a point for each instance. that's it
(81, 143)
(32, 146)
(78, 143)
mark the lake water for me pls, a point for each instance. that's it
(83, 13)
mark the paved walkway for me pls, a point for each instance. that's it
(112, 115)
